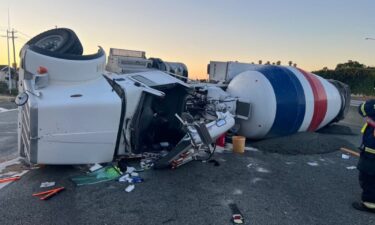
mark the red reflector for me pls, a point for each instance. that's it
(42, 70)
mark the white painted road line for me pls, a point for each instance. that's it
(4, 165)
(6, 110)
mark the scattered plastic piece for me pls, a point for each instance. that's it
(135, 180)
(101, 175)
(251, 149)
(130, 169)
(262, 170)
(351, 167)
(313, 164)
(256, 180)
(249, 165)
(130, 188)
(48, 194)
(219, 149)
(96, 166)
(228, 146)
(3, 180)
(47, 184)
(124, 178)
(355, 153)
(345, 156)
(146, 164)
(237, 192)
(134, 174)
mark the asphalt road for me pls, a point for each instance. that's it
(269, 188)
(8, 131)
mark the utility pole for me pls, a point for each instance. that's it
(9, 71)
(14, 51)
(9, 68)
(10, 34)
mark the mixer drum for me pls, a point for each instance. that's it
(285, 100)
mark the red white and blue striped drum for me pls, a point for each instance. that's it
(285, 100)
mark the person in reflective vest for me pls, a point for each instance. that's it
(366, 163)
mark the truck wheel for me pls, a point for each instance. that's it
(59, 40)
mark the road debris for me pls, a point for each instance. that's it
(313, 163)
(136, 180)
(238, 143)
(352, 152)
(131, 176)
(9, 179)
(48, 194)
(351, 167)
(345, 156)
(262, 170)
(251, 149)
(47, 184)
(125, 178)
(130, 169)
(102, 175)
(146, 164)
(237, 192)
(256, 180)
(96, 166)
(237, 217)
(134, 174)
(130, 188)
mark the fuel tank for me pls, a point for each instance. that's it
(286, 100)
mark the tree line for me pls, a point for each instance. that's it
(358, 76)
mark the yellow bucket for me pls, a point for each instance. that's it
(238, 144)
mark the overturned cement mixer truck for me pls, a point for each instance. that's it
(74, 111)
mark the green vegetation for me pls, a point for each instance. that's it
(5, 91)
(358, 76)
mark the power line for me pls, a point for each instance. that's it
(24, 34)
(23, 38)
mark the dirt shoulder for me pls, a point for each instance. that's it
(7, 98)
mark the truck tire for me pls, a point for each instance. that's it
(59, 40)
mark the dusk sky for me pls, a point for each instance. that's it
(314, 34)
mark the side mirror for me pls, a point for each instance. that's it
(21, 99)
